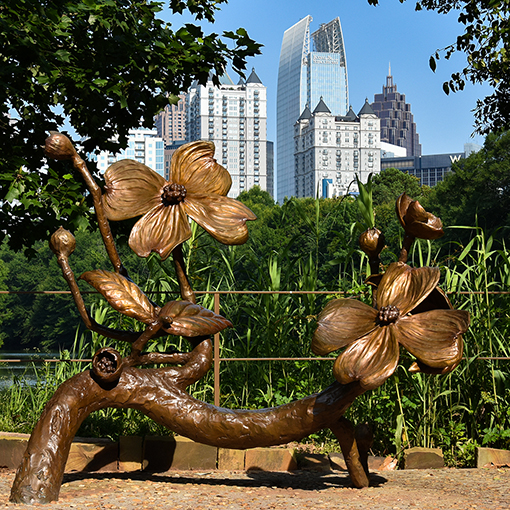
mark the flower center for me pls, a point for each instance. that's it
(173, 194)
(388, 314)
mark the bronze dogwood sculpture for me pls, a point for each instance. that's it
(409, 309)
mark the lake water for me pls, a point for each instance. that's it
(24, 369)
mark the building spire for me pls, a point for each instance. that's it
(389, 78)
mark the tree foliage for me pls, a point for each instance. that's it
(104, 66)
(387, 187)
(477, 191)
(486, 43)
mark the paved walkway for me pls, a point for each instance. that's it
(466, 489)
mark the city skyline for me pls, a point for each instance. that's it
(374, 37)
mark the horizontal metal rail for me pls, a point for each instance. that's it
(216, 356)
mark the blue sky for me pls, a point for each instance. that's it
(374, 37)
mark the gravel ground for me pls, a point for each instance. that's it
(466, 489)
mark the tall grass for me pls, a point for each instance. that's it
(456, 412)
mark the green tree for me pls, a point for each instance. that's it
(104, 66)
(387, 187)
(486, 43)
(391, 183)
(477, 191)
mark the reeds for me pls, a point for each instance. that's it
(456, 412)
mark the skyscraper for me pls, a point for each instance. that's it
(397, 121)
(304, 76)
(234, 117)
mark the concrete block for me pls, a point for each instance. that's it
(313, 462)
(382, 463)
(231, 460)
(130, 453)
(488, 457)
(423, 458)
(12, 448)
(164, 453)
(374, 463)
(271, 459)
(337, 461)
(93, 455)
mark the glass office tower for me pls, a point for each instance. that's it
(304, 76)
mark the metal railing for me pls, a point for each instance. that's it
(217, 359)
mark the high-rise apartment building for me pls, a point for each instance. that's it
(331, 150)
(171, 123)
(310, 68)
(234, 117)
(397, 121)
(144, 146)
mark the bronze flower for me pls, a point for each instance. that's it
(416, 221)
(400, 316)
(197, 188)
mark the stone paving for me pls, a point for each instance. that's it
(463, 489)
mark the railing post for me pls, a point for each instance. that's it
(217, 354)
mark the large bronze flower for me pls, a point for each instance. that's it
(196, 188)
(400, 316)
(416, 221)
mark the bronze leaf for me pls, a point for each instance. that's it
(186, 319)
(122, 294)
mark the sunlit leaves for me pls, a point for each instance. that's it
(106, 66)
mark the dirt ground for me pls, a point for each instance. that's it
(463, 489)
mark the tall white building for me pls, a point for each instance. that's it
(234, 117)
(310, 67)
(144, 146)
(330, 150)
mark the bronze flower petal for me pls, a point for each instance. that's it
(434, 337)
(194, 167)
(224, 218)
(403, 202)
(122, 294)
(370, 360)
(186, 319)
(421, 223)
(418, 366)
(160, 230)
(416, 221)
(406, 287)
(131, 189)
(340, 323)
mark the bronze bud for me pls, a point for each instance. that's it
(58, 146)
(62, 242)
(107, 365)
(372, 242)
